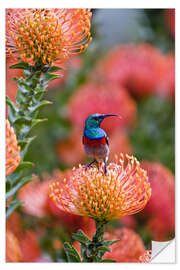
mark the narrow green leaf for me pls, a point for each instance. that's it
(84, 252)
(13, 206)
(22, 143)
(23, 120)
(50, 77)
(109, 243)
(39, 105)
(81, 237)
(12, 110)
(103, 248)
(71, 253)
(21, 65)
(37, 121)
(54, 69)
(13, 190)
(24, 165)
(8, 186)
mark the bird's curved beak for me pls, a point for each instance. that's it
(110, 114)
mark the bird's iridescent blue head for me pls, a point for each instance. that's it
(94, 120)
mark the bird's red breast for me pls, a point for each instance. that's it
(94, 142)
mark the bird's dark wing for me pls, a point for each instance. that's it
(107, 140)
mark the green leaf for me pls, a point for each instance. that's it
(23, 120)
(109, 242)
(24, 165)
(108, 261)
(84, 252)
(13, 190)
(13, 206)
(71, 253)
(39, 105)
(103, 248)
(21, 65)
(8, 186)
(81, 237)
(50, 77)
(22, 143)
(37, 121)
(54, 69)
(12, 110)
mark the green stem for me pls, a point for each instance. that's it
(23, 115)
(100, 229)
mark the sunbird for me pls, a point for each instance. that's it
(95, 139)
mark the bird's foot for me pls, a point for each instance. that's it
(89, 165)
(105, 169)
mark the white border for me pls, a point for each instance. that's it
(91, 4)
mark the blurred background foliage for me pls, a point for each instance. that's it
(150, 135)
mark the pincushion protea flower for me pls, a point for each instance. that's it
(13, 157)
(123, 191)
(13, 250)
(43, 36)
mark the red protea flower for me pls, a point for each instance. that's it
(163, 188)
(127, 249)
(146, 256)
(166, 84)
(25, 242)
(158, 229)
(13, 157)
(30, 246)
(43, 36)
(13, 250)
(124, 191)
(136, 67)
(102, 98)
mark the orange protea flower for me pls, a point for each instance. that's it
(44, 36)
(13, 157)
(13, 250)
(124, 191)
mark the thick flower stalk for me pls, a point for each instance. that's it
(123, 191)
(37, 39)
(47, 35)
(13, 157)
